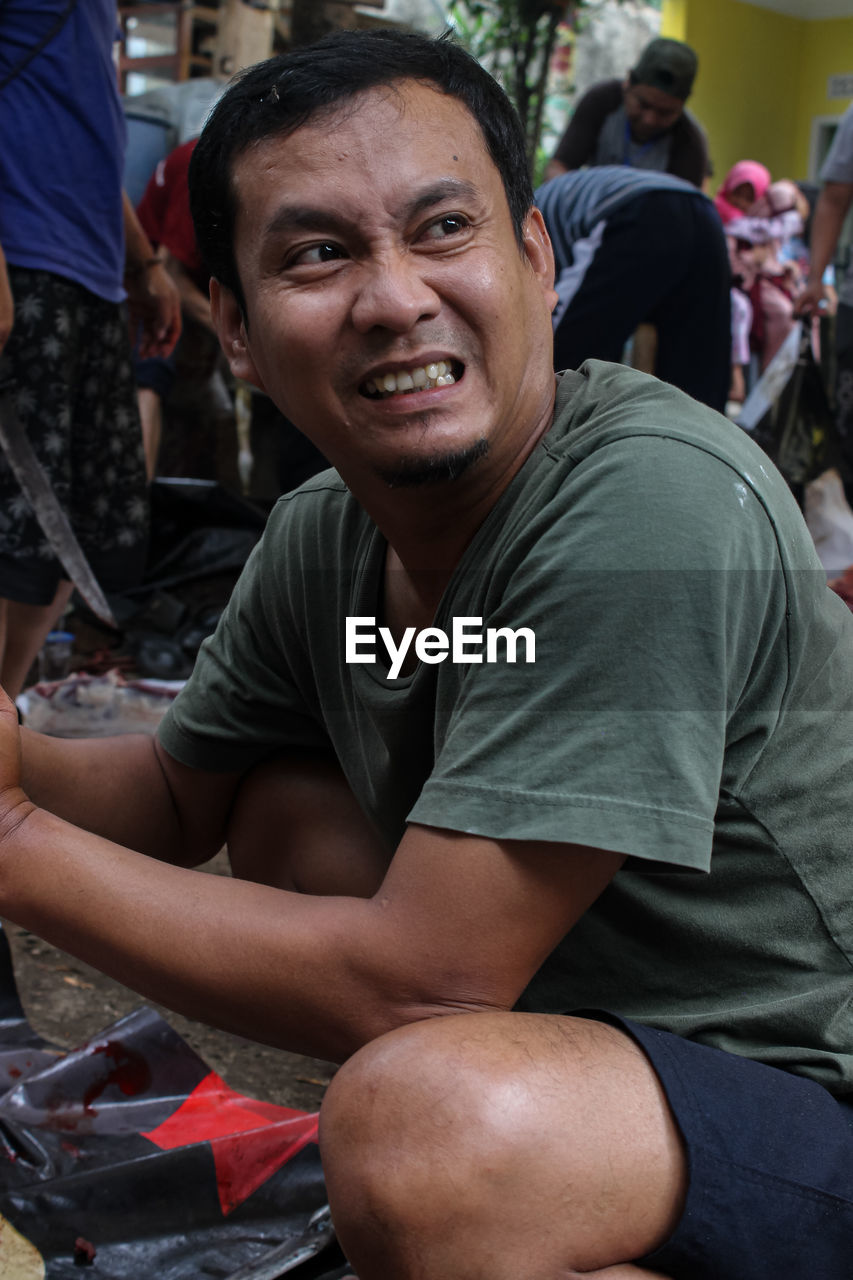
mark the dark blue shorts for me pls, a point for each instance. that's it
(770, 1157)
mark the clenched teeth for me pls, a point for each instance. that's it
(423, 378)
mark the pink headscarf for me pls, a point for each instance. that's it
(744, 171)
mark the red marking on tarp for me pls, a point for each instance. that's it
(250, 1140)
(84, 1252)
(130, 1072)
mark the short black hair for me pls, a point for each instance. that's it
(280, 95)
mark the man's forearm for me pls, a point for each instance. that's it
(830, 211)
(137, 247)
(196, 304)
(275, 966)
(115, 787)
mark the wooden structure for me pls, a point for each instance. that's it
(170, 42)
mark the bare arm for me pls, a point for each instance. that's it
(152, 295)
(458, 923)
(830, 211)
(128, 789)
(195, 304)
(577, 145)
(553, 169)
(7, 303)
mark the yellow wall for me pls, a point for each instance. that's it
(762, 79)
(673, 19)
(827, 51)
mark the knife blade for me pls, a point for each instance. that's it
(36, 487)
(286, 1257)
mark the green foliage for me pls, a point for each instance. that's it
(514, 40)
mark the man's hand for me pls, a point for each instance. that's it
(815, 297)
(14, 804)
(7, 303)
(152, 295)
(155, 307)
(830, 211)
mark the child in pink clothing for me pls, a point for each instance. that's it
(745, 182)
(770, 284)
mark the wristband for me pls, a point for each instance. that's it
(155, 261)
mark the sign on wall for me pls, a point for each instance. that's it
(840, 86)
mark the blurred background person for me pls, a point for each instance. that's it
(164, 212)
(744, 183)
(830, 212)
(74, 250)
(634, 247)
(640, 121)
(191, 390)
(772, 222)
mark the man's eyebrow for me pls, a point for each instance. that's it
(305, 217)
(445, 189)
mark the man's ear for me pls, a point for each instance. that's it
(540, 255)
(230, 327)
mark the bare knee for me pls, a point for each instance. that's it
(296, 825)
(533, 1133)
(458, 1088)
(395, 1115)
(396, 1093)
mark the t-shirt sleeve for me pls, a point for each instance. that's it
(152, 207)
(177, 233)
(838, 165)
(647, 589)
(164, 209)
(689, 158)
(577, 144)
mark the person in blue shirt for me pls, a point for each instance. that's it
(73, 252)
(633, 246)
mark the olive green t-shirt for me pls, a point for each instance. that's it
(690, 704)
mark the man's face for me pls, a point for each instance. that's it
(391, 313)
(650, 111)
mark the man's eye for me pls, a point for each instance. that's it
(448, 225)
(316, 254)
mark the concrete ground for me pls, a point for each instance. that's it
(67, 1002)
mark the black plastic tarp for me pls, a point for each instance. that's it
(129, 1158)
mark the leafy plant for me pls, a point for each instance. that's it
(514, 40)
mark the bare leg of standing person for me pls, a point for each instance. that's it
(151, 418)
(23, 628)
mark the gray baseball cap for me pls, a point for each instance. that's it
(667, 65)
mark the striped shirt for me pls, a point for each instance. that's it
(574, 203)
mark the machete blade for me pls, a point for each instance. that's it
(38, 490)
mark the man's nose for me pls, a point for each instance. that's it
(393, 294)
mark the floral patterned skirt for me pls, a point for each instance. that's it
(69, 356)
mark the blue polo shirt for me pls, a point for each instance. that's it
(63, 140)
